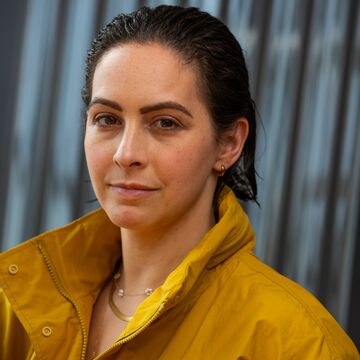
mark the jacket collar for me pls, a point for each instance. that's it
(232, 233)
(82, 252)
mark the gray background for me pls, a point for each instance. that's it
(304, 62)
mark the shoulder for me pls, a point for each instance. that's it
(279, 309)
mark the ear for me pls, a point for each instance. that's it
(232, 142)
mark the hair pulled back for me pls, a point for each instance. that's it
(204, 41)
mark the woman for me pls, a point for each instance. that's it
(165, 269)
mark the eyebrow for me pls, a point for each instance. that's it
(145, 109)
(106, 102)
(166, 105)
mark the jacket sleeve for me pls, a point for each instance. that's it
(14, 342)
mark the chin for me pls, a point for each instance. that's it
(129, 219)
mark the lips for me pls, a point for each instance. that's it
(132, 191)
(133, 186)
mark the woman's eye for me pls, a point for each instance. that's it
(166, 124)
(106, 120)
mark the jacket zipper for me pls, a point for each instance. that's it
(63, 292)
(136, 332)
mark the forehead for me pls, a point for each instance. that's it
(150, 72)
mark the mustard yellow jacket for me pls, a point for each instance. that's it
(221, 302)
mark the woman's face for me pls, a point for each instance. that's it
(150, 144)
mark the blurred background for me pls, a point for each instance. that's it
(304, 63)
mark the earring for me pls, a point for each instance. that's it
(222, 170)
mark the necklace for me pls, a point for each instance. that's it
(120, 292)
(115, 309)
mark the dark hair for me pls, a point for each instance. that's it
(204, 41)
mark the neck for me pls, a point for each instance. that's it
(148, 257)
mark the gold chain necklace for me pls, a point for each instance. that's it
(117, 312)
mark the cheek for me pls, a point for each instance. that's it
(98, 157)
(193, 158)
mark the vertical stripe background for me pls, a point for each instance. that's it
(304, 63)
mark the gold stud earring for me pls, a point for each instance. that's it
(222, 170)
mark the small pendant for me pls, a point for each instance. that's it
(120, 292)
(148, 291)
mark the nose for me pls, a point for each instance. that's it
(131, 149)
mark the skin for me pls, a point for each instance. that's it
(153, 168)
